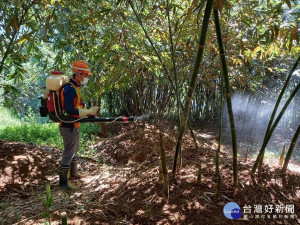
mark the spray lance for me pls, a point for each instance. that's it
(50, 104)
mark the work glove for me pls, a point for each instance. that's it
(94, 110)
(88, 112)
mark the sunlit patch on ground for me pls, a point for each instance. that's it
(295, 168)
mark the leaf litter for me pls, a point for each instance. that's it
(121, 183)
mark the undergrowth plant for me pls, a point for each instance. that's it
(48, 204)
(30, 131)
(3, 213)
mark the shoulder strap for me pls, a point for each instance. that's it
(77, 93)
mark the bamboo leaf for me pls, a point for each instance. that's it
(47, 21)
(93, 35)
(257, 49)
(147, 58)
(49, 202)
(9, 89)
(290, 43)
(16, 23)
(238, 61)
(288, 3)
(46, 215)
(201, 6)
(8, 29)
(195, 3)
(12, 76)
(24, 38)
(55, 17)
(1, 48)
(30, 46)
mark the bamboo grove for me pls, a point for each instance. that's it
(163, 57)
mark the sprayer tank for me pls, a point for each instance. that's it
(56, 80)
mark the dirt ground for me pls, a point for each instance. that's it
(121, 183)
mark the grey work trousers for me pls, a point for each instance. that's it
(71, 138)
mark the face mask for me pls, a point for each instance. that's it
(85, 80)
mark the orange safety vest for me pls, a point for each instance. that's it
(77, 103)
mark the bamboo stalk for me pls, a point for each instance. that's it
(173, 61)
(265, 143)
(199, 174)
(220, 128)
(160, 174)
(103, 129)
(175, 76)
(290, 151)
(63, 216)
(262, 150)
(164, 168)
(192, 85)
(228, 97)
(282, 156)
(218, 190)
(246, 157)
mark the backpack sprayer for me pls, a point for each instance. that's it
(51, 105)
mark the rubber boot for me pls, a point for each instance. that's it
(64, 174)
(74, 169)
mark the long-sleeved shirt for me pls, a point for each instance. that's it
(69, 94)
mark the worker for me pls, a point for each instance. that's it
(73, 106)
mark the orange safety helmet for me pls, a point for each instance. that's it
(81, 67)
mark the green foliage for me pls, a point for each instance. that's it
(37, 133)
(48, 203)
(37, 37)
(80, 208)
(272, 153)
(7, 118)
(88, 133)
(32, 133)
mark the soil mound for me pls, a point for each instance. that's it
(22, 165)
(137, 144)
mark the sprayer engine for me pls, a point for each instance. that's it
(50, 103)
